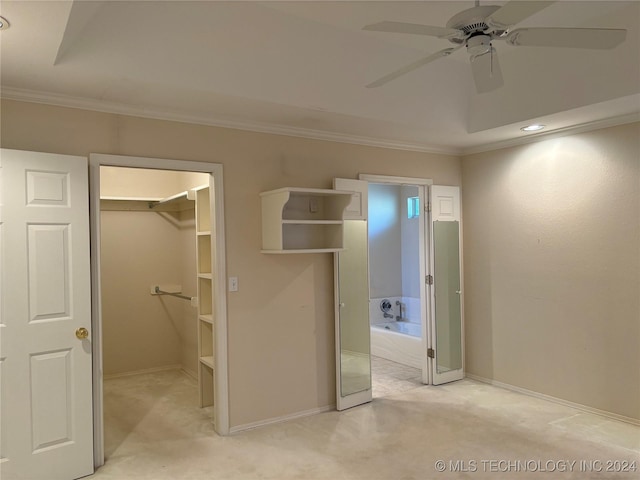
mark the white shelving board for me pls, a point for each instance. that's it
(175, 203)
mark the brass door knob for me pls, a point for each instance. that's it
(82, 333)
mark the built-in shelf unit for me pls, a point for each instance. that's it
(303, 220)
(206, 325)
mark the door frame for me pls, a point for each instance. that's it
(426, 266)
(221, 383)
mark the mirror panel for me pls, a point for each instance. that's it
(353, 285)
(448, 322)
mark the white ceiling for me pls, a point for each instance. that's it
(301, 68)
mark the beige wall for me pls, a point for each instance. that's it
(140, 331)
(385, 240)
(147, 183)
(552, 267)
(143, 331)
(281, 346)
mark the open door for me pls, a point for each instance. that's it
(447, 359)
(353, 343)
(45, 317)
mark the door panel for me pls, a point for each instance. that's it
(447, 293)
(51, 399)
(46, 379)
(48, 253)
(47, 188)
(446, 325)
(353, 343)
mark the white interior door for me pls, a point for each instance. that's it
(45, 364)
(353, 342)
(447, 362)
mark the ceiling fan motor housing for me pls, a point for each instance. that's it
(471, 21)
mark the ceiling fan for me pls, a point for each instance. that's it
(476, 28)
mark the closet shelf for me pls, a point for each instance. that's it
(175, 203)
(206, 318)
(127, 204)
(208, 276)
(208, 361)
(312, 222)
(203, 234)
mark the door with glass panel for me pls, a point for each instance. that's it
(353, 343)
(446, 354)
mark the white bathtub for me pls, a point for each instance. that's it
(406, 328)
(387, 342)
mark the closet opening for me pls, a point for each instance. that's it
(159, 294)
(152, 349)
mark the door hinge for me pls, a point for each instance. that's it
(428, 279)
(427, 207)
(431, 353)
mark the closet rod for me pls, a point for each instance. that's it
(162, 292)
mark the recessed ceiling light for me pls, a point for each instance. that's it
(4, 23)
(532, 128)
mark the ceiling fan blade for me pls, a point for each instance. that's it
(514, 12)
(487, 74)
(596, 38)
(412, 66)
(414, 28)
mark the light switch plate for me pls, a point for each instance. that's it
(233, 284)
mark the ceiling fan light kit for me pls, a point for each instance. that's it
(479, 44)
(477, 27)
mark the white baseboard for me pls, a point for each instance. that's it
(284, 418)
(142, 372)
(549, 398)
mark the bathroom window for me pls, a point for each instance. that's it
(413, 207)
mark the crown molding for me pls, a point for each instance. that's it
(559, 132)
(103, 106)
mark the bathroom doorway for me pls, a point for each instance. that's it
(398, 262)
(399, 299)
